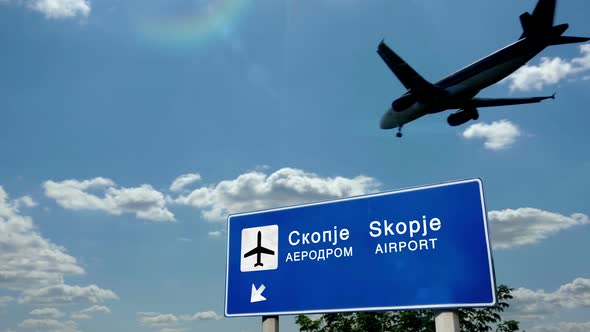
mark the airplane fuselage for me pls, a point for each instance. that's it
(259, 250)
(466, 83)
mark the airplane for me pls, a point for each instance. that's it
(459, 90)
(258, 251)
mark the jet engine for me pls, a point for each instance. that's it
(462, 116)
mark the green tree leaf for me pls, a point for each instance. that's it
(470, 320)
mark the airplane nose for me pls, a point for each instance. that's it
(383, 122)
(387, 120)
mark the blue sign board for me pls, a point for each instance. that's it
(418, 248)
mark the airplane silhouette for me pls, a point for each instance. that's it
(258, 251)
(459, 90)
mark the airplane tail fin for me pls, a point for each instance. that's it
(539, 25)
(526, 22)
(540, 21)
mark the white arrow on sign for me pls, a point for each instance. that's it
(256, 295)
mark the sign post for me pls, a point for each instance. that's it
(417, 248)
(447, 321)
(270, 323)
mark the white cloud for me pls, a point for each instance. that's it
(169, 322)
(47, 312)
(25, 201)
(57, 8)
(204, 315)
(498, 135)
(58, 294)
(562, 327)
(71, 194)
(257, 190)
(510, 228)
(216, 233)
(549, 71)
(79, 316)
(87, 313)
(184, 180)
(54, 325)
(144, 201)
(35, 267)
(27, 260)
(60, 8)
(530, 304)
(96, 309)
(156, 319)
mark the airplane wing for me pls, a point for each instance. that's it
(261, 250)
(491, 102)
(406, 74)
(251, 252)
(266, 251)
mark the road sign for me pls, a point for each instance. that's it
(418, 248)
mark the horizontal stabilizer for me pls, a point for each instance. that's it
(406, 74)
(491, 102)
(568, 40)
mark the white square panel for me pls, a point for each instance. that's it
(260, 248)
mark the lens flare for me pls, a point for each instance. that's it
(190, 23)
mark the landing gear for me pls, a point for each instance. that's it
(399, 132)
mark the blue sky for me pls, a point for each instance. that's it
(129, 130)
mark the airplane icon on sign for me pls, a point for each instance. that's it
(259, 250)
